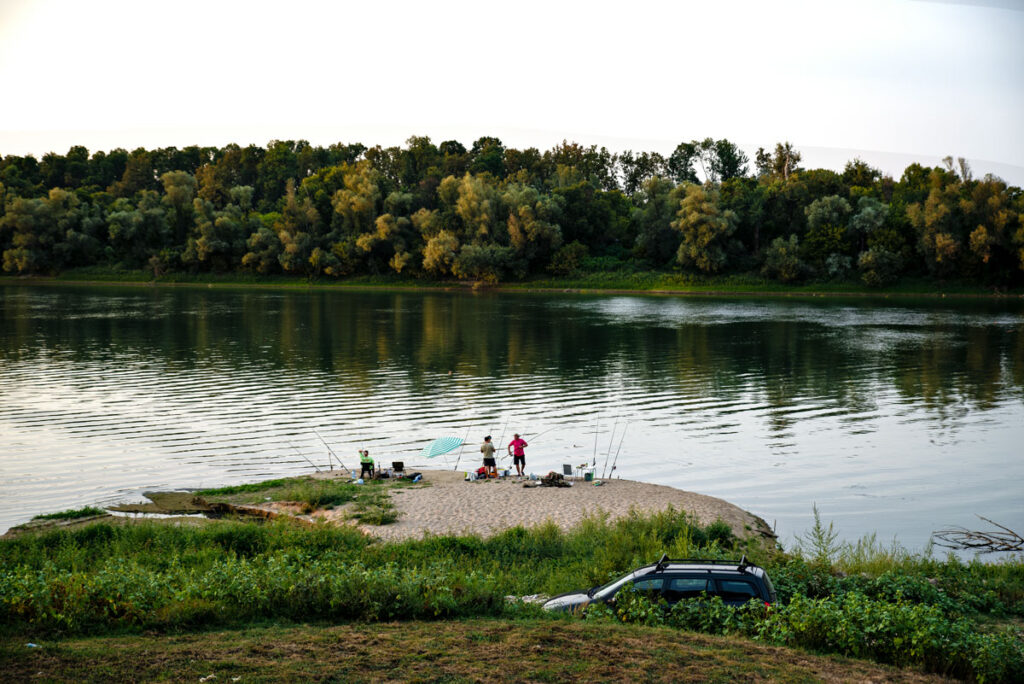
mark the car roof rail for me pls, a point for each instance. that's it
(740, 564)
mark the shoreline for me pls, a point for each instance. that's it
(448, 505)
(466, 286)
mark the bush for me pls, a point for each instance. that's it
(782, 260)
(568, 259)
(484, 263)
(878, 267)
(898, 632)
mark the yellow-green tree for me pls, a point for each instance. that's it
(705, 227)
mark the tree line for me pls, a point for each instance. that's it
(492, 213)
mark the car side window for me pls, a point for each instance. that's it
(736, 590)
(680, 588)
(649, 586)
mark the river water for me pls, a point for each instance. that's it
(894, 417)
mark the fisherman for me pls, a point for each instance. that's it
(487, 449)
(516, 451)
(365, 463)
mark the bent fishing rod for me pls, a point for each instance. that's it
(508, 455)
(330, 451)
(304, 458)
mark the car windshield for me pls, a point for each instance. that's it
(613, 586)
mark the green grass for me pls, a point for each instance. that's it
(372, 500)
(375, 508)
(246, 488)
(86, 512)
(312, 493)
(476, 650)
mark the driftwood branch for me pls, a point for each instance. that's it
(1002, 539)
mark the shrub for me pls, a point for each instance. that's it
(878, 266)
(782, 260)
(568, 258)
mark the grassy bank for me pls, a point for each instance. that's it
(483, 650)
(639, 281)
(941, 615)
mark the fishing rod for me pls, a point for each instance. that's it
(597, 428)
(330, 452)
(609, 454)
(461, 448)
(508, 455)
(543, 433)
(502, 440)
(616, 460)
(304, 458)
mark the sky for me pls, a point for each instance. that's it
(889, 81)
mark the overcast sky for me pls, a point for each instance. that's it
(891, 80)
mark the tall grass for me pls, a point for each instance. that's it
(147, 574)
(75, 514)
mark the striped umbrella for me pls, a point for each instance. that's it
(441, 445)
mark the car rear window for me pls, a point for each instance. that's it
(680, 588)
(736, 590)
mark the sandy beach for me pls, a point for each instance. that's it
(450, 505)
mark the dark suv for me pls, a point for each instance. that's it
(674, 580)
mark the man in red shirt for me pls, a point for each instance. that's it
(515, 449)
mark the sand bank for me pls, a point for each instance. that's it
(449, 505)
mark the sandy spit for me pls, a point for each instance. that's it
(450, 505)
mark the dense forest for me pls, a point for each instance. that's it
(492, 213)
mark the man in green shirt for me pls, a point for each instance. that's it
(365, 463)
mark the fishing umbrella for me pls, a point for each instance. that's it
(441, 445)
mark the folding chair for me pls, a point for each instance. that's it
(398, 468)
(567, 470)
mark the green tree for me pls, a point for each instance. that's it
(656, 241)
(391, 243)
(179, 191)
(680, 163)
(878, 266)
(297, 230)
(264, 251)
(826, 229)
(488, 155)
(639, 168)
(705, 228)
(137, 232)
(440, 253)
(782, 260)
(483, 263)
(533, 228)
(480, 209)
(870, 218)
(48, 233)
(729, 161)
(355, 205)
(782, 164)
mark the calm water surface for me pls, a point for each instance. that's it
(896, 418)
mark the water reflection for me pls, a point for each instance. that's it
(772, 404)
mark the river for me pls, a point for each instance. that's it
(894, 417)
